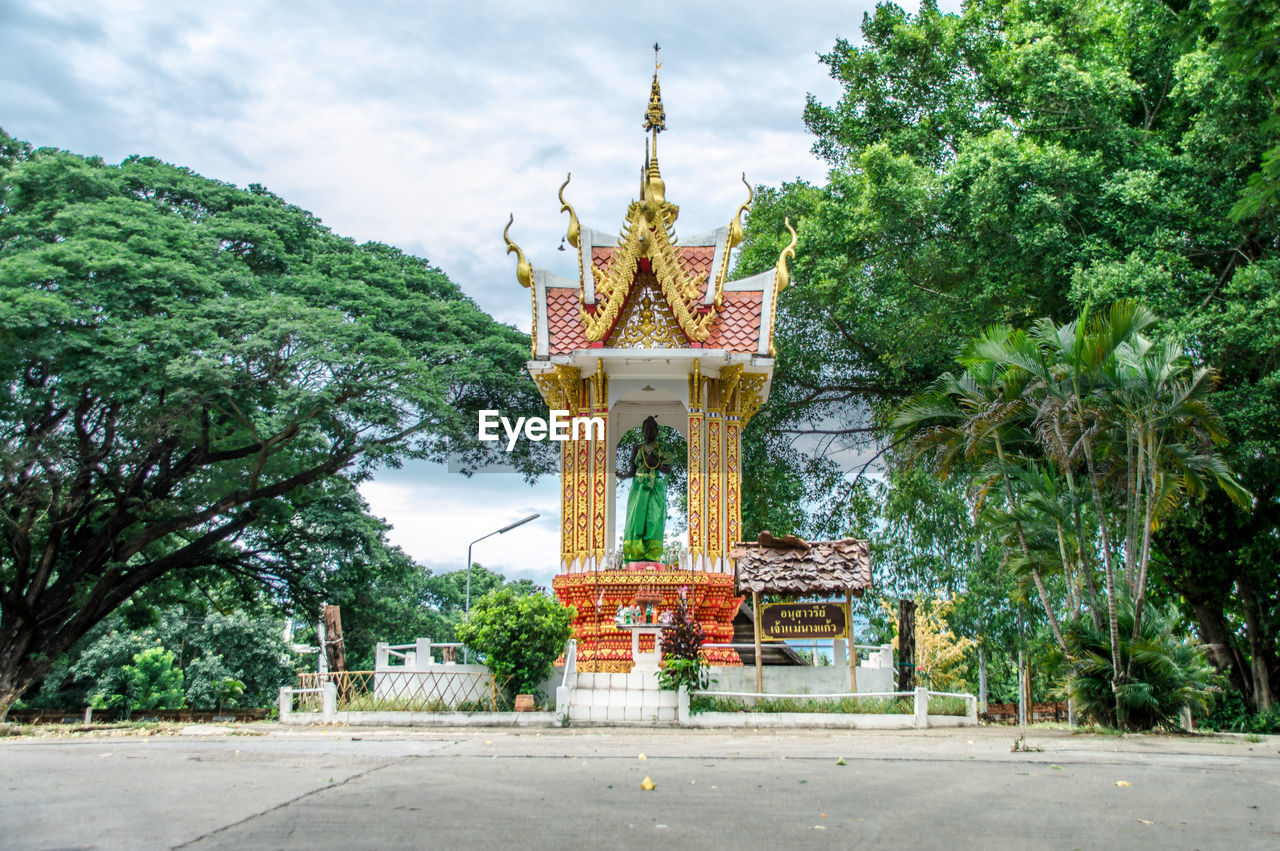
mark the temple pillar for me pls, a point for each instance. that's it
(697, 496)
(582, 521)
(568, 503)
(575, 465)
(730, 377)
(599, 391)
(715, 479)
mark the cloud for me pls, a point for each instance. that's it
(423, 125)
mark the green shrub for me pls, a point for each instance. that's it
(682, 661)
(1169, 673)
(518, 636)
(151, 682)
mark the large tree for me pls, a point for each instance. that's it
(185, 369)
(1024, 160)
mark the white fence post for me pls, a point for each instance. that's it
(286, 704)
(971, 705)
(329, 703)
(922, 706)
(422, 653)
(381, 655)
(682, 707)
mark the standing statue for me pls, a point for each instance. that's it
(642, 536)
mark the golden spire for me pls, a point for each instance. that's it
(652, 188)
(655, 117)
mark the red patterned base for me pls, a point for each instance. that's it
(602, 647)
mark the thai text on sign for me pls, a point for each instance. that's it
(804, 620)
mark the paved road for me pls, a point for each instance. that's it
(312, 788)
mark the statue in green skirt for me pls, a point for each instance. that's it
(647, 503)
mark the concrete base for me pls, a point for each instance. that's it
(788, 679)
(633, 699)
(798, 720)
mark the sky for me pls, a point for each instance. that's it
(424, 125)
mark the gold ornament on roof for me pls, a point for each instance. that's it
(735, 227)
(574, 233)
(647, 323)
(781, 279)
(524, 274)
(647, 243)
(655, 117)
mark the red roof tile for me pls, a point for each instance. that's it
(697, 261)
(564, 324)
(737, 325)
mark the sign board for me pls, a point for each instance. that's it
(804, 620)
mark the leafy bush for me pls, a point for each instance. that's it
(682, 661)
(210, 648)
(1231, 713)
(518, 636)
(151, 682)
(1169, 673)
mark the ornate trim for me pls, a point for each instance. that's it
(733, 479)
(715, 483)
(568, 468)
(750, 395)
(599, 385)
(781, 279)
(697, 541)
(647, 322)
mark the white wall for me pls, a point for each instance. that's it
(801, 679)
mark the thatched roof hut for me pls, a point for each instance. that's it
(792, 567)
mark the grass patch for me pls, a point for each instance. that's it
(839, 706)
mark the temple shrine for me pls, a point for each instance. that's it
(652, 327)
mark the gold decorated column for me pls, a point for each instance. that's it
(568, 466)
(582, 481)
(729, 379)
(567, 393)
(697, 532)
(715, 476)
(599, 462)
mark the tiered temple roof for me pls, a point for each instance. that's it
(646, 289)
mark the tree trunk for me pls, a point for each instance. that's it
(1214, 633)
(906, 645)
(1022, 695)
(1026, 552)
(1259, 657)
(982, 680)
(334, 648)
(1117, 678)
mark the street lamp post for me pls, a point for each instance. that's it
(466, 615)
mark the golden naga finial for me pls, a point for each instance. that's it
(782, 277)
(524, 272)
(575, 230)
(655, 117)
(735, 227)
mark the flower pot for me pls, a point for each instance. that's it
(524, 703)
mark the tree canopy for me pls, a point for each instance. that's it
(192, 372)
(1025, 160)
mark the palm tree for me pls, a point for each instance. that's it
(1097, 396)
(973, 418)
